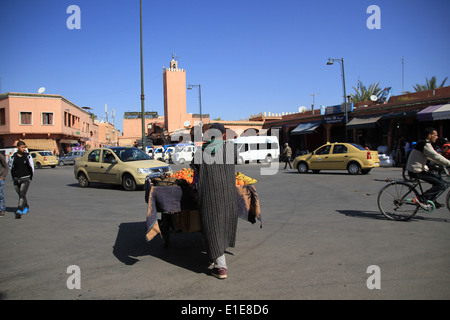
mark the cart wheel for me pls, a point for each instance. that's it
(165, 232)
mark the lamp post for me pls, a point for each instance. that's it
(341, 61)
(142, 86)
(200, 103)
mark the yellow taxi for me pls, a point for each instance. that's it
(117, 165)
(44, 158)
(338, 156)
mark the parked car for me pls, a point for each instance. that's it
(117, 165)
(43, 159)
(338, 156)
(70, 157)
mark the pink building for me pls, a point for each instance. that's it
(45, 122)
(108, 135)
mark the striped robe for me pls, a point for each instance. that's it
(217, 196)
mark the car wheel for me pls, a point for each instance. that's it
(181, 161)
(353, 168)
(128, 182)
(240, 160)
(268, 158)
(302, 167)
(61, 163)
(83, 180)
(37, 165)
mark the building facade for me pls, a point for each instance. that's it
(45, 122)
(389, 124)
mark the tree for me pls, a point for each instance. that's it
(431, 84)
(363, 94)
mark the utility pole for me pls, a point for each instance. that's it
(312, 106)
(142, 86)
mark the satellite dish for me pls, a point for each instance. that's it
(373, 97)
(187, 123)
(302, 109)
(41, 90)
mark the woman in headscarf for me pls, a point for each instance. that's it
(215, 165)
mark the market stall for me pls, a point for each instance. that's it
(178, 207)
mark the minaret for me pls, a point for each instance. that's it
(174, 81)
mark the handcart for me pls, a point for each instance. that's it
(177, 204)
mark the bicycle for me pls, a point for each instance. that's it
(395, 200)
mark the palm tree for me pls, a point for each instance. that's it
(431, 84)
(363, 94)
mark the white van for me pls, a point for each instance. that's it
(167, 157)
(157, 153)
(257, 148)
(184, 154)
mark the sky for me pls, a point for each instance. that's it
(249, 56)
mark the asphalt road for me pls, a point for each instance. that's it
(321, 234)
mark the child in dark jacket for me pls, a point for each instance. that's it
(22, 170)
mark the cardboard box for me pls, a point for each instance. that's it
(187, 221)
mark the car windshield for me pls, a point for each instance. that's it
(45, 153)
(130, 154)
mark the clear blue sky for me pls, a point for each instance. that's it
(249, 56)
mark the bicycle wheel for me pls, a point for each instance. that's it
(395, 201)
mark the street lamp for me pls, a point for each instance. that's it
(142, 86)
(200, 103)
(341, 61)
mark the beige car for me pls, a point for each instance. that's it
(117, 165)
(338, 156)
(43, 159)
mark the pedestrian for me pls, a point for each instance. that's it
(22, 169)
(287, 153)
(214, 164)
(4, 169)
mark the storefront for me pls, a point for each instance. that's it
(306, 136)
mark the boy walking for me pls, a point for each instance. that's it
(22, 169)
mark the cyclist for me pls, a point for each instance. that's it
(417, 168)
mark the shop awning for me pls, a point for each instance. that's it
(442, 113)
(39, 144)
(427, 113)
(363, 122)
(306, 128)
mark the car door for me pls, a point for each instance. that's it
(68, 159)
(338, 158)
(93, 164)
(109, 169)
(319, 160)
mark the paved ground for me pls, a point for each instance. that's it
(320, 234)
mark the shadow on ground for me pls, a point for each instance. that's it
(185, 250)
